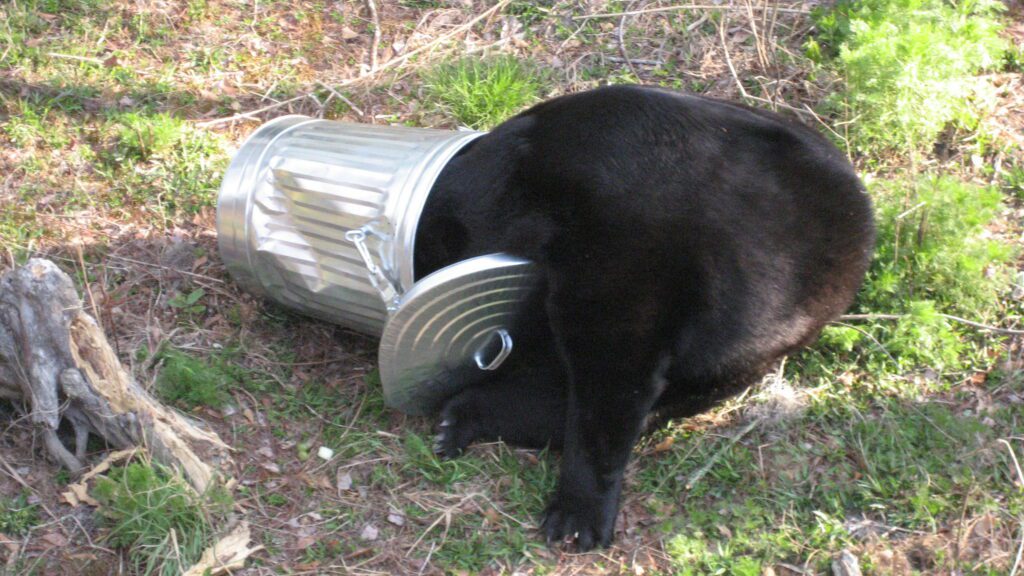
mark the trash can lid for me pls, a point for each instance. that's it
(459, 317)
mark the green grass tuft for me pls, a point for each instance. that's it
(483, 93)
(157, 516)
(162, 158)
(188, 382)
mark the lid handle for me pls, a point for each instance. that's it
(497, 347)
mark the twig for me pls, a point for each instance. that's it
(446, 515)
(372, 7)
(439, 40)
(977, 325)
(685, 7)
(641, 61)
(622, 46)
(85, 281)
(342, 97)
(736, 77)
(373, 72)
(1020, 551)
(249, 115)
(817, 118)
(73, 57)
(1016, 463)
(910, 210)
(872, 338)
(427, 559)
(794, 568)
(728, 58)
(711, 461)
(957, 542)
(17, 478)
(168, 268)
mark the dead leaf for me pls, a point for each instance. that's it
(344, 481)
(492, 515)
(664, 445)
(348, 33)
(228, 553)
(105, 464)
(78, 494)
(55, 539)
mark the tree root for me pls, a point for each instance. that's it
(55, 360)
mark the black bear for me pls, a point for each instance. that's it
(684, 245)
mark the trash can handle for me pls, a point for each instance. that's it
(380, 281)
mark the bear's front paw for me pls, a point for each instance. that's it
(456, 430)
(589, 522)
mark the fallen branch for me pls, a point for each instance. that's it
(977, 325)
(688, 7)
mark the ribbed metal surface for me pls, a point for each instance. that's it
(443, 322)
(297, 185)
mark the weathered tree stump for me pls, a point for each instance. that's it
(56, 363)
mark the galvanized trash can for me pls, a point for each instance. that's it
(321, 217)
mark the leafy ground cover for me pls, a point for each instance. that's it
(897, 437)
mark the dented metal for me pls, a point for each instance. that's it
(321, 216)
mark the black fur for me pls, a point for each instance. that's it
(685, 245)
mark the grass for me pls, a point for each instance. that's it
(189, 382)
(798, 490)
(481, 93)
(157, 517)
(909, 68)
(17, 516)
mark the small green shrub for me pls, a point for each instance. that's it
(483, 93)
(932, 257)
(909, 67)
(931, 247)
(17, 516)
(157, 516)
(142, 136)
(188, 382)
